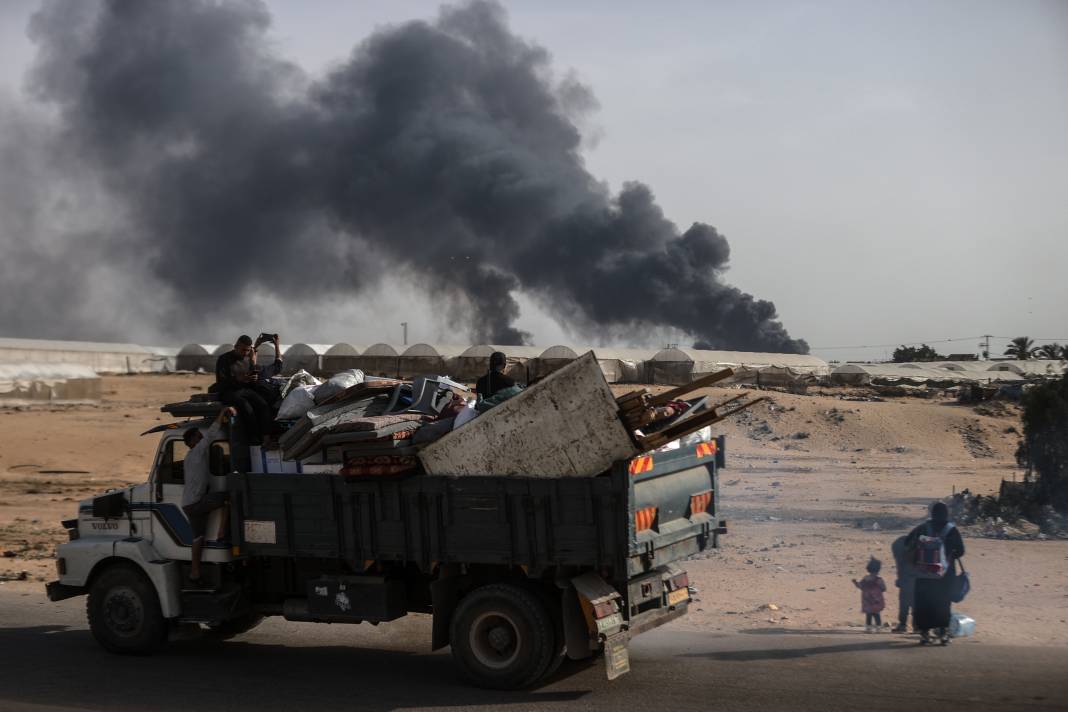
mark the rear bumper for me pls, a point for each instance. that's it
(656, 617)
(60, 591)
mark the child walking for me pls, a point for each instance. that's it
(871, 596)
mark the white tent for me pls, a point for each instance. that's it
(551, 359)
(380, 360)
(473, 363)
(197, 356)
(428, 359)
(101, 357)
(303, 356)
(162, 359)
(65, 382)
(340, 357)
(625, 365)
(914, 374)
(1031, 367)
(677, 366)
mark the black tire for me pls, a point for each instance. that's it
(124, 613)
(234, 626)
(502, 637)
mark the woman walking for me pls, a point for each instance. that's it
(936, 545)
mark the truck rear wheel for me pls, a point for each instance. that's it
(502, 637)
(124, 613)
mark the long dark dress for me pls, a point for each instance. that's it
(932, 604)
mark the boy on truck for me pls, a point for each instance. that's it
(197, 502)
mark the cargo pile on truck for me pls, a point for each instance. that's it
(567, 425)
(545, 525)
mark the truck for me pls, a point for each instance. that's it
(516, 573)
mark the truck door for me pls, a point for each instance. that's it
(172, 535)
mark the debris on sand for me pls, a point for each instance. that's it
(974, 441)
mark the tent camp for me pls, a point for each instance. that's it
(339, 357)
(426, 359)
(380, 360)
(162, 359)
(677, 366)
(303, 356)
(858, 374)
(53, 382)
(196, 356)
(1031, 367)
(624, 365)
(551, 359)
(473, 362)
(101, 357)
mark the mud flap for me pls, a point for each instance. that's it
(616, 657)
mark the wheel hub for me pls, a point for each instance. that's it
(123, 610)
(495, 640)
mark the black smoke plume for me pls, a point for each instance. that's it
(443, 151)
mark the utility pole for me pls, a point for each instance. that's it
(985, 346)
(404, 325)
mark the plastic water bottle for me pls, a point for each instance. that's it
(961, 626)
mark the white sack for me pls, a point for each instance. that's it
(299, 401)
(300, 378)
(338, 383)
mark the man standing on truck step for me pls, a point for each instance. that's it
(197, 502)
(238, 383)
(495, 380)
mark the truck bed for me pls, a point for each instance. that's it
(533, 523)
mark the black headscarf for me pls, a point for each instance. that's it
(939, 513)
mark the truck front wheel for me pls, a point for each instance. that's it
(502, 637)
(124, 613)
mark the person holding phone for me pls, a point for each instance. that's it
(240, 383)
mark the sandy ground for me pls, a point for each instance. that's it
(815, 485)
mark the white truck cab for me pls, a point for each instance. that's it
(130, 542)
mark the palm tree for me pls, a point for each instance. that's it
(1022, 347)
(1051, 351)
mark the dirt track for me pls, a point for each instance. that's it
(815, 485)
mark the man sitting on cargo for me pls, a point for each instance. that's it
(197, 502)
(240, 383)
(495, 380)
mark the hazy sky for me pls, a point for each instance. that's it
(884, 172)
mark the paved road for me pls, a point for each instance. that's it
(48, 661)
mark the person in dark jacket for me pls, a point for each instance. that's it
(495, 380)
(933, 601)
(239, 383)
(905, 582)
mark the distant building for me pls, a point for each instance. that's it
(962, 357)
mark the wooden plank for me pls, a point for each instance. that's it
(676, 393)
(692, 425)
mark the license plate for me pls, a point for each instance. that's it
(678, 596)
(610, 622)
